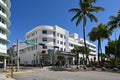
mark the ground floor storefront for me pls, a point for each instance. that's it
(3, 60)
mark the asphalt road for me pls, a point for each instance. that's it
(46, 74)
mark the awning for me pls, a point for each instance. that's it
(65, 53)
(4, 54)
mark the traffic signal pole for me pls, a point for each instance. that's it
(18, 64)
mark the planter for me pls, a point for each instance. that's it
(115, 69)
(103, 68)
(85, 67)
(93, 68)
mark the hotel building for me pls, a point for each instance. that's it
(57, 41)
(4, 29)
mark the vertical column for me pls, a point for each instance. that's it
(4, 62)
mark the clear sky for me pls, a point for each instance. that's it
(27, 14)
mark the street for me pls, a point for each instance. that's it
(46, 74)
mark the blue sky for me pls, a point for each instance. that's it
(27, 14)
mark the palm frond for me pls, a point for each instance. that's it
(79, 20)
(96, 9)
(76, 16)
(80, 3)
(74, 10)
(92, 17)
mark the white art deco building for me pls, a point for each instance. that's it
(4, 31)
(54, 37)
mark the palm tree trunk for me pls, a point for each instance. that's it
(83, 59)
(101, 57)
(98, 50)
(84, 40)
(115, 61)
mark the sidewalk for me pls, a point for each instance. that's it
(5, 74)
(2, 76)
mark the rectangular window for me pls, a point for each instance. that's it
(54, 41)
(61, 49)
(61, 35)
(64, 37)
(44, 32)
(58, 34)
(44, 39)
(36, 47)
(54, 34)
(64, 43)
(44, 47)
(61, 42)
(58, 41)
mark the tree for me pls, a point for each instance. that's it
(114, 22)
(81, 49)
(76, 51)
(99, 33)
(110, 48)
(84, 12)
(113, 48)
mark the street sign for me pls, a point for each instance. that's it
(30, 42)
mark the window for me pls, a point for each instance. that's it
(44, 32)
(36, 32)
(64, 49)
(2, 31)
(2, 20)
(72, 45)
(64, 43)
(54, 41)
(61, 42)
(36, 47)
(44, 39)
(61, 49)
(64, 37)
(58, 41)
(69, 44)
(4, 1)
(58, 34)
(44, 47)
(2, 42)
(2, 9)
(61, 35)
(54, 34)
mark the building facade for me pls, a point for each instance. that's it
(4, 29)
(56, 39)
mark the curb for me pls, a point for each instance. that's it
(7, 74)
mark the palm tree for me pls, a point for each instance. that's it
(76, 51)
(113, 24)
(81, 49)
(114, 21)
(99, 33)
(84, 12)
